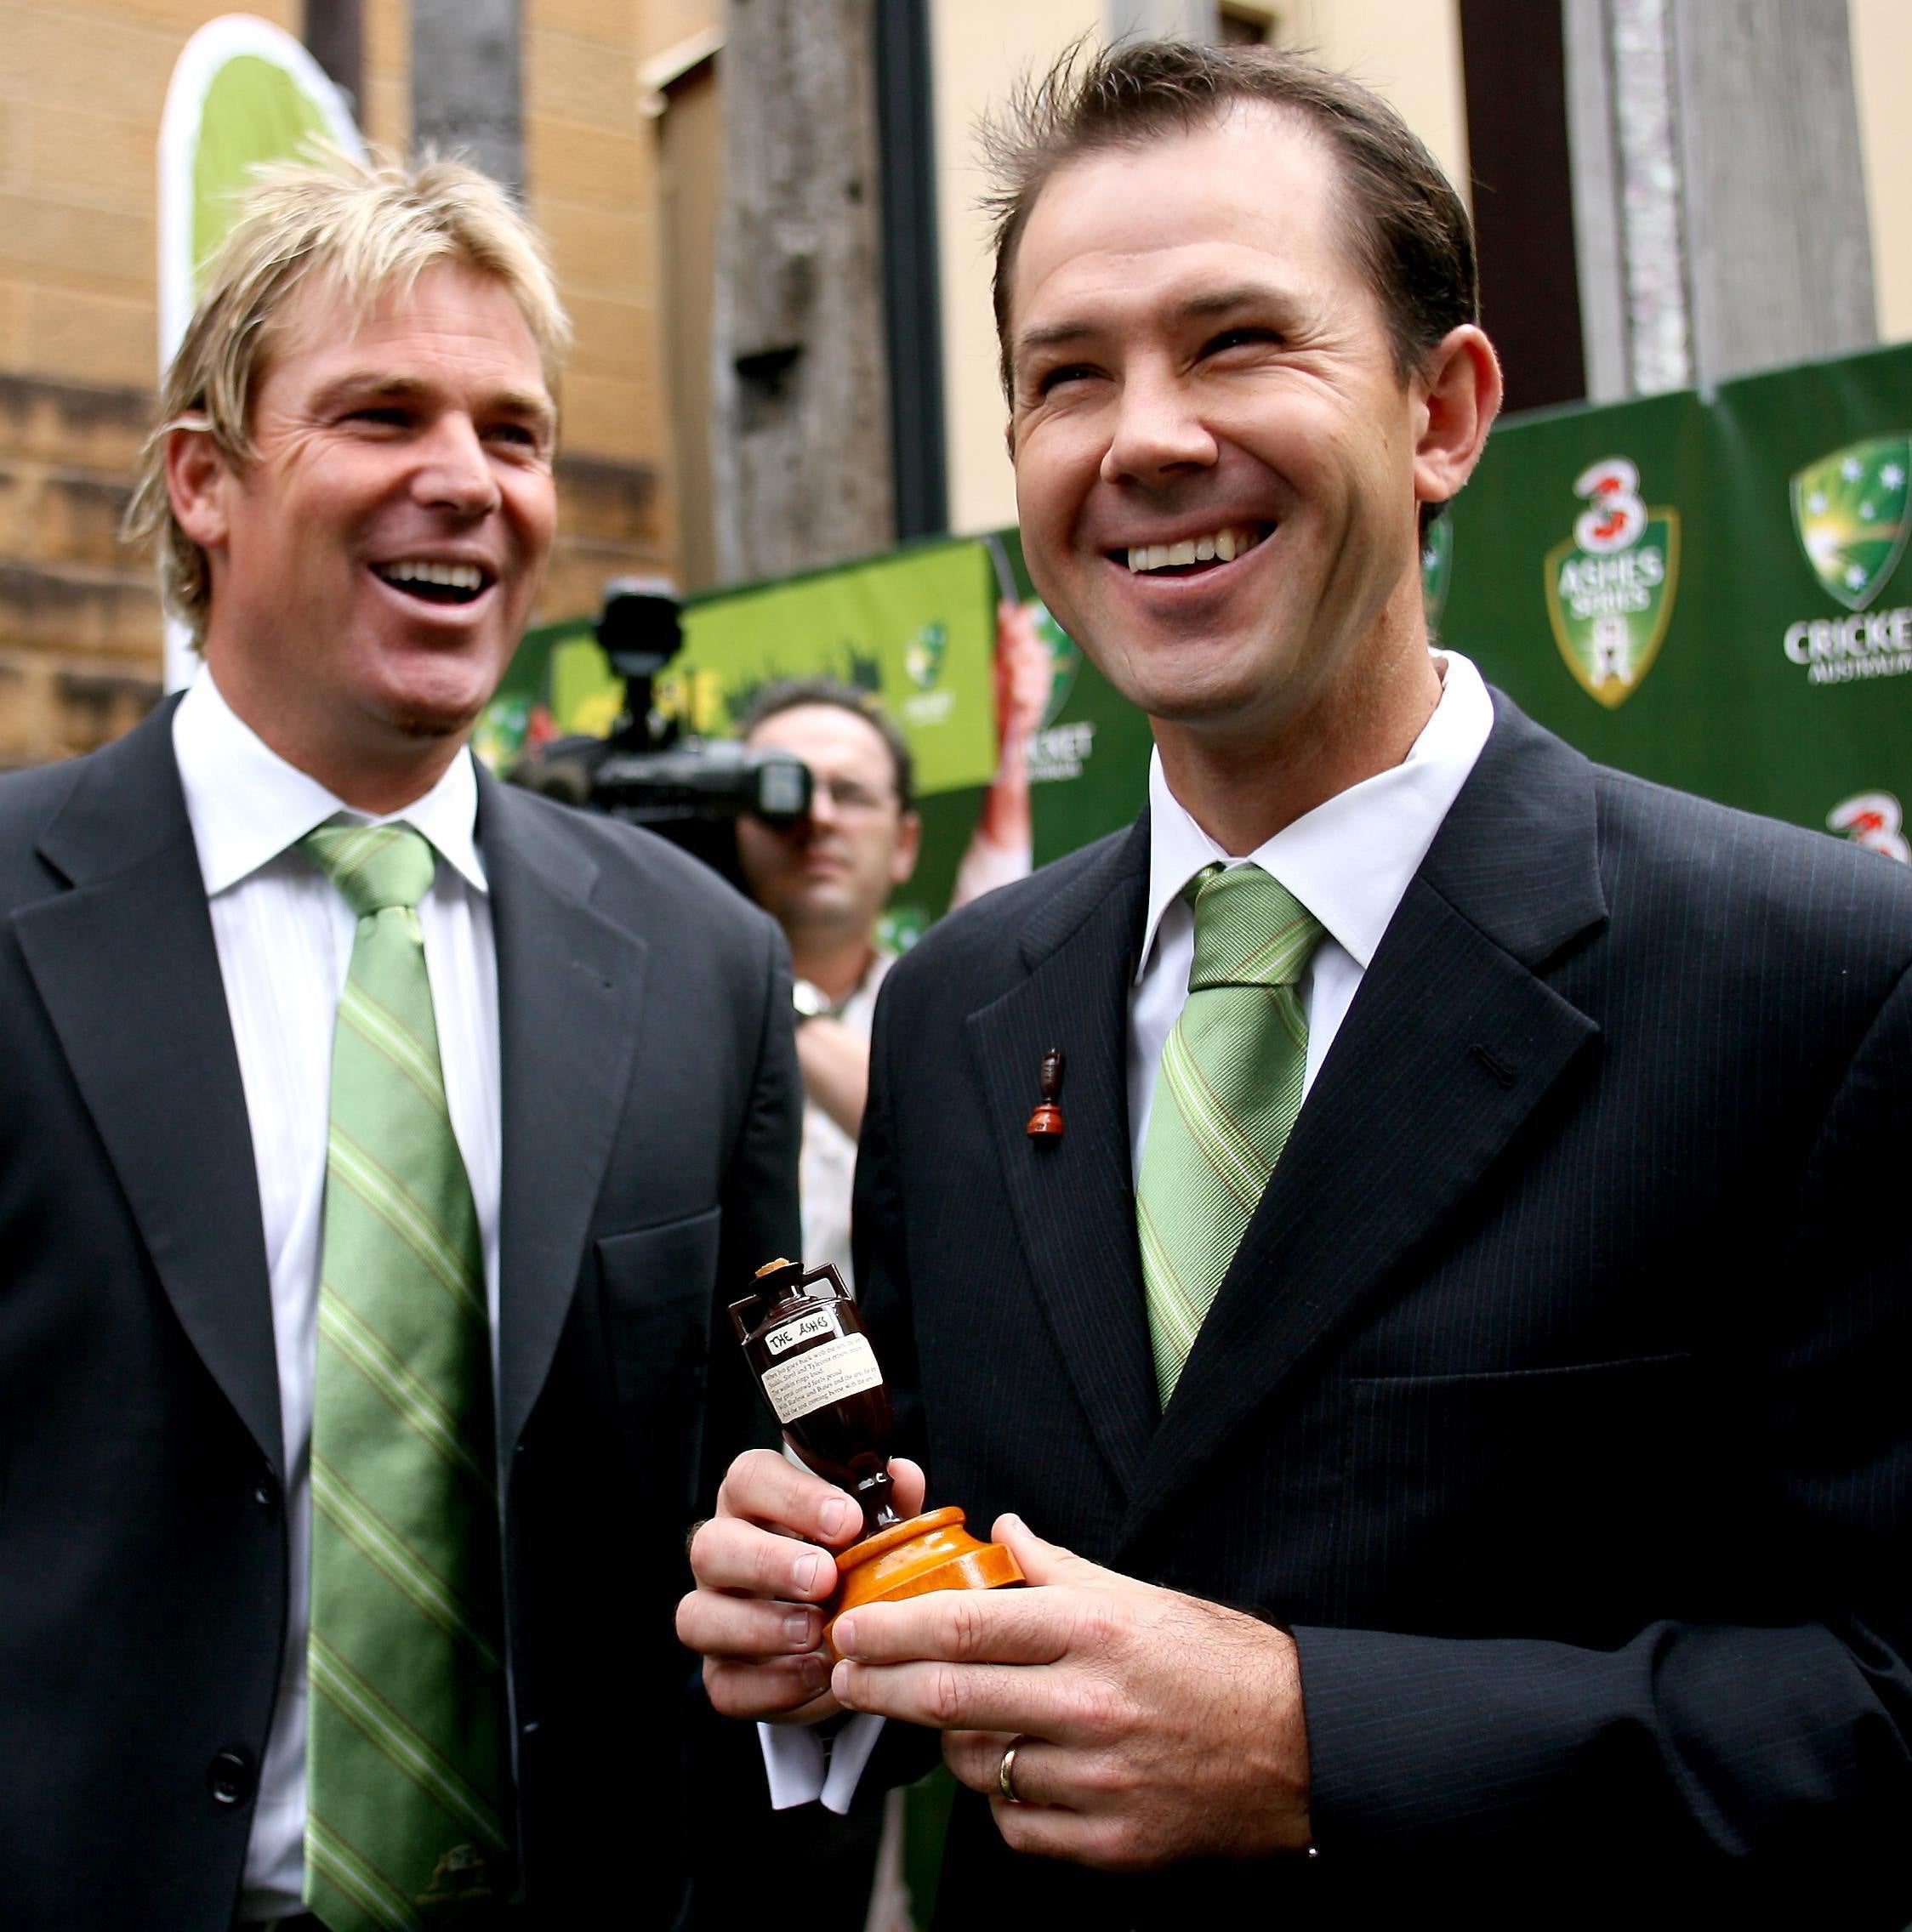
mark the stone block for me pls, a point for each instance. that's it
(104, 159)
(94, 61)
(607, 417)
(78, 335)
(576, 79)
(614, 22)
(94, 707)
(78, 519)
(113, 614)
(601, 501)
(93, 426)
(27, 736)
(573, 162)
(108, 249)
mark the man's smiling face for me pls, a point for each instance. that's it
(373, 568)
(1214, 451)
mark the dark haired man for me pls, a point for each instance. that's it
(1452, 1330)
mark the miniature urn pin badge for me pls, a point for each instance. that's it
(1046, 1123)
(804, 1339)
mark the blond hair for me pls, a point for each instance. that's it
(367, 229)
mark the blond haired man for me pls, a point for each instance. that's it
(371, 1168)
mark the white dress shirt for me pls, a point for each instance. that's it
(284, 933)
(826, 1170)
(1349, 861)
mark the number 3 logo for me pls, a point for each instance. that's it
(1616, 518)
(1875, 821)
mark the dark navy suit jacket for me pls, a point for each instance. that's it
(1557, 1398)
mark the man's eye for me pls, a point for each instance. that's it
(1055, 379)
(520, 434)
(1240, 338)
(383, 416)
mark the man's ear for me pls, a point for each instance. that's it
(198, 474)
(1460, 389)
(909, 839)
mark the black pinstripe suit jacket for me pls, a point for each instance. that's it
(1557, 1397)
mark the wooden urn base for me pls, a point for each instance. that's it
(930, 1552)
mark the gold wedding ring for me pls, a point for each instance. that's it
(1005, 1773)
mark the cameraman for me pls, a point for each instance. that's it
(825, 881)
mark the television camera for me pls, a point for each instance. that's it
(650, 772)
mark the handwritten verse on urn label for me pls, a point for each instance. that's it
(819, 1377)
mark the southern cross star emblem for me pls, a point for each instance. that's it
(1850, 513)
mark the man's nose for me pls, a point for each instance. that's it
(1157, 432)
(454, 473)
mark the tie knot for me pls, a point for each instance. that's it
(1250, 931)
(374, 866)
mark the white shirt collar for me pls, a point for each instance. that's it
(1350, 860)
(247, 805)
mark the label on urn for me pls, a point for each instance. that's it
(805, 1328)
(821, 1376)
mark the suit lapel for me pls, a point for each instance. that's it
(570, 1017)
(1452, 1041)
(126, 964)
(1073, 1198)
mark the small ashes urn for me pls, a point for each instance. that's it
(804, 1339)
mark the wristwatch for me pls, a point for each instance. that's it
(811, 1001)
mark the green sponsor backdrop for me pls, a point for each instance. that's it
(1750, 543)
(1708, 588)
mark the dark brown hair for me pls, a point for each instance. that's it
(788, 694)
(1409, 232)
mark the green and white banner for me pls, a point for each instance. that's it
(242, 91)
(1707, 588)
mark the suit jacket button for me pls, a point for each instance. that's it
(266, 1495)
(232, 1775)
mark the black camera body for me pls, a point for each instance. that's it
(650, 771)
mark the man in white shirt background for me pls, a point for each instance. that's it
(825, 882)
(377, 1143)
(1446, 1334)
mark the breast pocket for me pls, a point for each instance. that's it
(658, 1287)
(1547, 1501)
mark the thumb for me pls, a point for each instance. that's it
(1044, 1562)
(908, 1476)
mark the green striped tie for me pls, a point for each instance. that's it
(1225, 1101)
(406, 1766)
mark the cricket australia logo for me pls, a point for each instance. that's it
(923, 654)
(932, 700)
(1849, 509)
(1610, 585)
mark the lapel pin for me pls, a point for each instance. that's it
(1046, 1123)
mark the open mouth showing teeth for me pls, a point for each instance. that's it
(436, 584)
(1193, 554)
